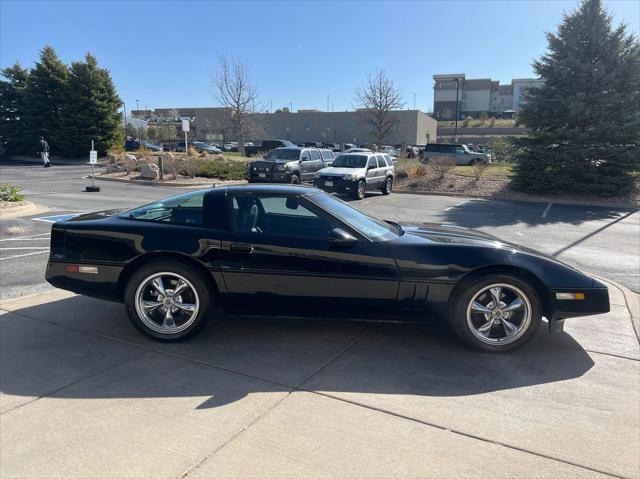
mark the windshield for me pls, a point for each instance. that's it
(283, 154)
(369, 226)
(350, 161)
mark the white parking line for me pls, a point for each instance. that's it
(24, 247)
(46, 238)
(22, 255)
(455, 206)
(546, 210)
(26, 237)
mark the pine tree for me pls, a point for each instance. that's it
(12, 109)
(585, 119)
(90, 110)
(43, 100)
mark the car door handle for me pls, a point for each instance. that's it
(241, 247)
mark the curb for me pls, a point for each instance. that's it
(632, 301)
(211, 184)
(555, 201)
(24, 210)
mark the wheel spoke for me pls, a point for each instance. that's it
(509, 328)
(180, 287)
(151, 305)
(480, 308)
(485, 329)
(189, 308)
(495, 294)
(168, 321)
(515, 304)
(158, 286)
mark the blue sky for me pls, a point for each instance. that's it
(163, 53)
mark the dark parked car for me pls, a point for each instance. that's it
(265, 147)
(276, 249)
(150, 146)
(288, 165)
(131, 145)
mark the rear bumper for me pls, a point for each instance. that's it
(102, 284)
(596, 301)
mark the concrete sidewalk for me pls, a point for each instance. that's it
(84, 395)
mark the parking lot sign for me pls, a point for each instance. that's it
(93, 157)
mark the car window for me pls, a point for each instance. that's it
(327, 155)
(315, 155)
(432, 147)
(350, 161)
(283, 154)
(185, 209)
(388, 160)
(305, 155)
(381, 163)
(372, 162)
(277, 216)
(459, 150)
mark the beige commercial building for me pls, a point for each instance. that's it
(414, 127)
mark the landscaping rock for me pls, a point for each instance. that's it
(113, 168)
(130, 157)
(150, 171)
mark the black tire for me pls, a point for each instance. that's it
(388, 186)
(460, 305)
(196, 279)
(360, 191)
(295, 179)
(473, 162)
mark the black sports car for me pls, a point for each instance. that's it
(295, 250)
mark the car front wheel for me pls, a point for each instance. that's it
(168, 300)
(496, 313)
(361, 189)
(295, 179)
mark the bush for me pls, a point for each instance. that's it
(10, 193)
(441, 166)
(191, 166)
(479, 169)
(418, 171)
(223, 169)
(503, 149)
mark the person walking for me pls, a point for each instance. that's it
(44, 152)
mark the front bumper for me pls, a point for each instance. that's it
(102, 284)
(336, 184)
(596, 301)
(270, 177)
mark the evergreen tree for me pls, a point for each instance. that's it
(43, 100)
(585, 119)
(90, 110)
(12, 109)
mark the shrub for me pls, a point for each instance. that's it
(10, 193)
(466, 121)
(192, 151)
(441, 166)
(492, 122)
(418, 171)
(223, 169)
(191, 166)
(170, 165)
(479, 169)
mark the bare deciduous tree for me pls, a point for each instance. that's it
(234, 90)
(375, 102)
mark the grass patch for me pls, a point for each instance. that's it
(498, 123)
(501, 170)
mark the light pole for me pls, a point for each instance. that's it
(137, 105)
(455, 134)
(290, 107)
(414, 101)
(124, 109)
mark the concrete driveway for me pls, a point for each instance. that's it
(84, 395)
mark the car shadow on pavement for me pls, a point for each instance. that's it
(478, 213)
(84, 348)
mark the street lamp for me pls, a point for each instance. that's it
(137, 105)
(414, 101)
(290, 107)
(455, 134)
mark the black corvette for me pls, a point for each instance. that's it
(295, 250)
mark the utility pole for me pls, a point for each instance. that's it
(124, 108)
(137, 105)
(414, 101)
(290, 107)
(455, 134)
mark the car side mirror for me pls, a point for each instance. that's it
(340, 237)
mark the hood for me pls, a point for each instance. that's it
(263, 162)
(443, 233)
(339, 171)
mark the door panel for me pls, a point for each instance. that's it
(292, 268)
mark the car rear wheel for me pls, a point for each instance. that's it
(496, 313)
(361, 189)
(168, 300)
(388, 186)
(295, 179)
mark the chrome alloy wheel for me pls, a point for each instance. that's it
(361, 189)
(499, 314)
(167, 303)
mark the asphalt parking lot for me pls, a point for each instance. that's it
(84, 395)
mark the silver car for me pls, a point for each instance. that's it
(461, 154)
(354, 173)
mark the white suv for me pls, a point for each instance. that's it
(354, 173)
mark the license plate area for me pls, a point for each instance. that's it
(328, 183)
(262, 175)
